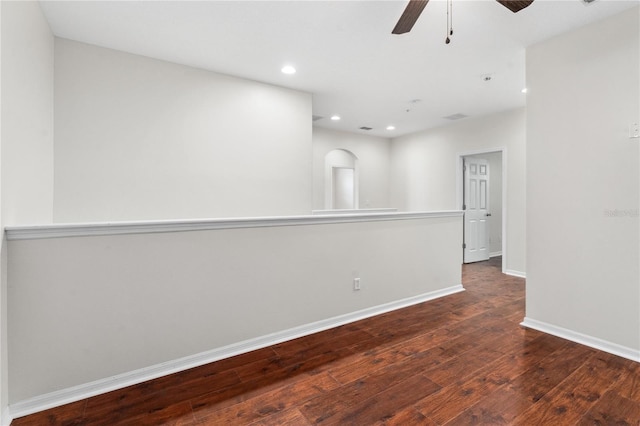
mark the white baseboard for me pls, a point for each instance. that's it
(87, 390)
(583, 339)
(6, 418)
(495, 254)
(515, 273)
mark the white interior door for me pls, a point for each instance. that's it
(476, 210)
(343, 188)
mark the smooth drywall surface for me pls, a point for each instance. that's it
(5, 418)
(141, 139)
(26, 138)
(424, 167)
(373, 166)
(5, 415)
(27, 114)
(4, 376)
(583, 191)
(88, 308)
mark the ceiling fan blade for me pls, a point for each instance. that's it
(409, 16)
(515, 5)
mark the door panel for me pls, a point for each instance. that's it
(476, 215)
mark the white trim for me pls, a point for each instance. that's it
(495, 254)
(354, 211)
(80, 392)
(143, 227)
(583, 339)
(6, 417)
(513, 273)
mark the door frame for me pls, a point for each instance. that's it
(460, 190)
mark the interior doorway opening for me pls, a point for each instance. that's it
(481, 194)
(341, 180)
(343, 188)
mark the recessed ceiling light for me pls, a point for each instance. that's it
(391, 127)
(288, 69)
(524, 90)
(335, 117)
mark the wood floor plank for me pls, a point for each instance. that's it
(383, 405)
(148, 397)
(242, 359)
(415, 355)
(385, 355)
(413, 320)
(239, 393)
(303, 361)
(613, 409)
(264, 383)
(341, 399)
(318, 344)
(445, 405)
(292, 417)
(408, 416)
(470, 310)
(629, 384)
(545, 375)
(173, 415)
(346, 344)
(568, 402)
(498, 408)
(369, 361)
(68, 415)
(462, 366)
(269, 403)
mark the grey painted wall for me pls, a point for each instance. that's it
(142, 139)
(582, 186)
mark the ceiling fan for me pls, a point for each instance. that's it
(415, 8)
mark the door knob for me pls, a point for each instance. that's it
(488, 214)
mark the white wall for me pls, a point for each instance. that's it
(5, 417)
(91, 307)
(373, 165)
(27, 114)
(583, 190)
(26, 138)
(423, 171)
(139, 139)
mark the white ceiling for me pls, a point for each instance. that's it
(344, 51)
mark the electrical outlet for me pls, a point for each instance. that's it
(634, 131)
(356, 283)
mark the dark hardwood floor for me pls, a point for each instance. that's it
(459, 360)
